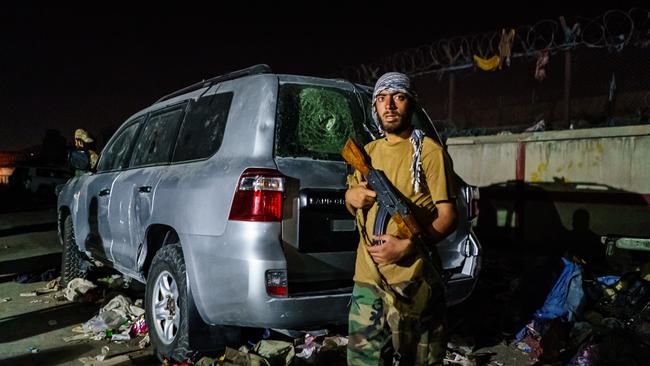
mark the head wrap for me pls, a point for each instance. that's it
(393, 82)
(396, 82)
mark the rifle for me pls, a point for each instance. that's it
(391, 205)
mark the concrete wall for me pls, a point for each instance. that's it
(555, 175)
(618, 157)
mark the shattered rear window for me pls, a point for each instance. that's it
(315, 121)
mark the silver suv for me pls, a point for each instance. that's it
(226, 199)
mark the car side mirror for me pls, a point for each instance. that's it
(79, 160)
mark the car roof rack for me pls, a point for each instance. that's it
(253, 70)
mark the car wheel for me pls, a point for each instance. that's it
(73, 265)
(166, 306)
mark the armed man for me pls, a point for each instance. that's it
(83, 142)
(397, 315)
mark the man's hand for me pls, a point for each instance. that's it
(359, 196)
(392, 250)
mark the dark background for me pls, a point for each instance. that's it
(69, 66)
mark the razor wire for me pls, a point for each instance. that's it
(614, 30)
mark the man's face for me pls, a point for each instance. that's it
(393, 110)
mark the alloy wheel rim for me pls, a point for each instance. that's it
(165, 307)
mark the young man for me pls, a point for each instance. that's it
(398, 307)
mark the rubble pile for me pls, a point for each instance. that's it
(600, 320)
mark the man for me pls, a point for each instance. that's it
(398, 309)
(83, 142)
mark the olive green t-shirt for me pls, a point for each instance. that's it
(395, 160)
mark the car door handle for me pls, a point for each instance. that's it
(104, 192)
(144, 189)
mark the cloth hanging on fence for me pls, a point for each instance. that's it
(540, 66)
(505, 46)
(489, 64)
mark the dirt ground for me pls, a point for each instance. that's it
(33, 327)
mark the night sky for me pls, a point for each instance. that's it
(63, 68)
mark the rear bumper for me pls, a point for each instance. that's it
(227, 280)
(461, 284)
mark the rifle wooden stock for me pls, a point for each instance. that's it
(407, 227)
(356, 157)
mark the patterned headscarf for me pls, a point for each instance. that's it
(393, 82)
(396, 82)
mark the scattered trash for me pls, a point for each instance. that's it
(121, 359)
(454, 358)
(278, 353)
(76, 288)
(464, 346)
(144, 342)
(524, 347)
(308, 349)
(5, 299)
(115, 281)
(122, 305)
(51, 286)
(115, 314)
(28, 294)
(124, 336)
(243, 358)
(77, 337)
(139, 327)
(32, 349)
(207, 361)
(103, 322)
(104, 353)
(608, 280)
(587, 356)
(100, 357)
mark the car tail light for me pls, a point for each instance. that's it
(258, 196)
(276, 283)
(472, 195)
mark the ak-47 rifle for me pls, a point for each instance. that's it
(391, 205)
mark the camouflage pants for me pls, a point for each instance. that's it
(410, 328)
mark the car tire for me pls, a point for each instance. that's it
(167, 305)
(73, 265)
